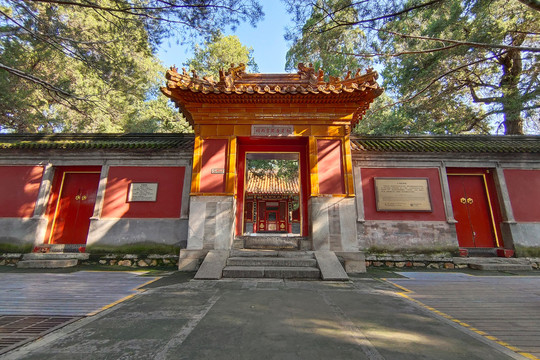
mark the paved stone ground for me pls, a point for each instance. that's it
(176, 318)
(503, 308)
(69, 294)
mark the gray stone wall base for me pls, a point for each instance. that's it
(525, 234)
(508, 232)
(354, 261)
(333, 223)
(407, 235)
(22, 231)
(190, 260)
(117, 232)
(211, 222)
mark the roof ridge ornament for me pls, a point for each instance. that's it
(308, 73)
(228, 77)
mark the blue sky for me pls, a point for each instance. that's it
(266, 40)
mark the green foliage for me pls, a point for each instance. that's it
(468, 88)
(323, 44)
(11, 248)
(527, 251)
(287, 169)
(136, 249)
(219, 53)
(449, 66)
(89, 66)
(441, 251)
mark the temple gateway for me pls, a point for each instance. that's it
(220, 190)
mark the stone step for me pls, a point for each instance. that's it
(60, 248)
(272, 253)
(274, 243)
(272, 272)
(47, 264)
(55, 256)
(481, 252)
(500, 267)
(272, 261)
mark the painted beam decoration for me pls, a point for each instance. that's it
(402, 194)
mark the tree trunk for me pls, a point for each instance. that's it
(512, 101)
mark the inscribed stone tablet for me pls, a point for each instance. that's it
(142, 192)
(402, 194)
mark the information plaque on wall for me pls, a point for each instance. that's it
(142, 192)
(402, 194)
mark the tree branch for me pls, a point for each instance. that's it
(398, 53)
(480, 118)
(386, 16)
(533, 4)
(462, 43)
(476, 99)
(433, 81)
(46, 85)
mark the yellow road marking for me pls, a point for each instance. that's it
(479, 332)
(138, 289)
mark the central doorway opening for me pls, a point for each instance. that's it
(272, 194)
(273, 186)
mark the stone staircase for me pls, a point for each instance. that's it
(272, 242)
(495, 264)
(50, 260)
(271, 264)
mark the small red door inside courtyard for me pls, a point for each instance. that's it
(473, 210)
(73, 206)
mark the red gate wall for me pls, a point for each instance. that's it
(524, 191)
(368, 188)
(19, 187)
(330, 166)
(170, 182)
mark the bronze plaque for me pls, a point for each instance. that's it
(142, 192)
(402, 194)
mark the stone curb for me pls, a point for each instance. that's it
(129, 260)
(155, 260)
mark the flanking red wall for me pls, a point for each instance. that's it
(214, 157)
(368, 187)
(169, 193)
(330, 167)
(524, 190)
(19, 187)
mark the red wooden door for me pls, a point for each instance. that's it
(75, 207)
(472, 211)
(272, 220)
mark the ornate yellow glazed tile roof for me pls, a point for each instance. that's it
(306, 81)
(270, 183)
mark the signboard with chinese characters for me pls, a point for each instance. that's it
(272, 130)
(142, 192)
(402, 194)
